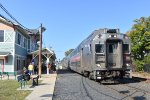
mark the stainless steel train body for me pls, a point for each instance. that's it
(103, 54)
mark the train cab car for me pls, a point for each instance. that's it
(103, 54)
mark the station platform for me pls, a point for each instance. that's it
(44, 91)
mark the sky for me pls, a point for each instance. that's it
(69, 22)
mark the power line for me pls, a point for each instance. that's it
(59, 51)
(6, 11)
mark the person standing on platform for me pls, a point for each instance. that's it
(30, 68)
(53, 67)
(36, 69)
(32, 61)
(49, 67)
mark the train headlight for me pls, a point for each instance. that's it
(98, 65)
(97, 72)
(128, 65)
(115, 36)
(112, 36)
(109, 36)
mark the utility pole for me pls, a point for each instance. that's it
(40, 51)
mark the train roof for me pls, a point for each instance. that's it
(101, 31)
(98, 32)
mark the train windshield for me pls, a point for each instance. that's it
(125, 48)
(113, 48)
(99, 48)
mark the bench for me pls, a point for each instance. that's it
(23, 79)
(8, 74)
(1, 74)
(26, 77)
(35, 80)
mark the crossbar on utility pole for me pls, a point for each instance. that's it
(40, 52)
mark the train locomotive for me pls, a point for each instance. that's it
(102, 55)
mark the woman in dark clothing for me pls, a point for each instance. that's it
(53, 67)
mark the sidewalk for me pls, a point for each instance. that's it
(141, 75)
(44, 91)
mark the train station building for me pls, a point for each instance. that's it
(18, 47)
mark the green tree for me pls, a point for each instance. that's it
(140, 39)
(68, 52)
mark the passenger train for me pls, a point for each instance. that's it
(102, 55)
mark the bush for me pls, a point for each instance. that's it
(147, 60)
(139, 65)
(147, 64)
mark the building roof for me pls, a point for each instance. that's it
(36, 31)
(2, 54)
(10, 23)
(19, 27)
(45, 51)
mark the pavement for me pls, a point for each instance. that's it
(45, 89)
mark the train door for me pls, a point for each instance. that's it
(114, 53)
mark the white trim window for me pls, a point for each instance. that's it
(29, 42)
(25, 43)
(21, 41)
(1, 35)
(18, 39)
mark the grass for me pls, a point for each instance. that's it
(8, 90)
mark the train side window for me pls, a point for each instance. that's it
(90, 48)
(99, 48)
(125, 48)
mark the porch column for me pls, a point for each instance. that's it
(32, 61)
(47, 65)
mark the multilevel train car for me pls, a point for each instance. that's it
(103, 54)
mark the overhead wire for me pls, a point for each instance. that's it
(6, 11)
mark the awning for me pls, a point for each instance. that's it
(45, 52)
(3, 54)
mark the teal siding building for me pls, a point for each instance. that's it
(15, 44)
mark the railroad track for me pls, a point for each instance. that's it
(131, 90)
(85, 88)
(85, 82)
(125, 94)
